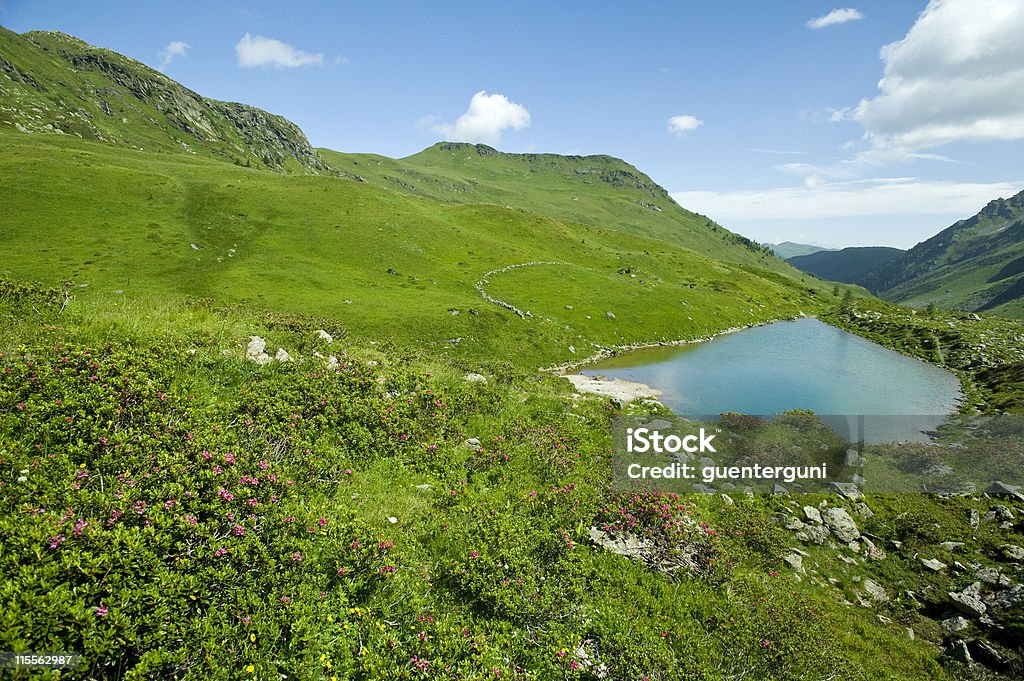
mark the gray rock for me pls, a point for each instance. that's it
(847, 490)
(256, 351)
(778, 490)
(795, 561)
(852, 458)
(282, 355)
(1003, 513)
(609, 315)
(812, 534)
(958, 651)
(1010, 599)
(987, 654)
(473, 442)
(951, 545)
(841, 524)
(967, 603)
(973, 518)
(793, 523)
(1000, 488)
(933, 564)
(701, 488)
(475, 378)
(324, 336)
(728, 500)
(628, 545)
(955, 624)
(812, 514)
(426, 487)
(863, 510)
(1013, 552)
(875, 591)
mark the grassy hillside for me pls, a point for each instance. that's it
(849, 265)
(169, 509)
(595, 190)
(53, 83)
(976, 264)
(386, 265)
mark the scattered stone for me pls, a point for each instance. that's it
(473, 442)
(968, 602)
(933, 564)
(863, 510)
(609, 315)
(987, 654)
(332, 362)
(1003, 513)
(572, 349)
(812, 534)
(426, 487)
(951, 545)
(1000, 488)
(282, 355)
(852, 458)
(795, 561)
(1009, 599)
(727, 499)
(778, 490)
(1013, 552)
(847, 490)
(255, 350)
(812, 514)
(973, 518)
(627, 545)
(988, 575)
(324, 336)
(475, 378)
(871, 550)
(793, 523)
(841, 524)
(955, 624)
(196, 247)
(958, 651)
(392, 519)
(875, 591)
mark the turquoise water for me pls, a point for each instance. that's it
(801, 364)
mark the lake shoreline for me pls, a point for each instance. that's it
(627, 391)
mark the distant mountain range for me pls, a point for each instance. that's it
(976, 264)
(849, 265)
(790, 249)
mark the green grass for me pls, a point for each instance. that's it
(388, 267)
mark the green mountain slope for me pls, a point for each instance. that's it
(976, 264)
(596, 190)
(52, 82)
(387, 266)
(790, 249)
(849, 265)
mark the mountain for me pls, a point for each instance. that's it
(975, 264)
(790, 249)
(849, 265)
(595, 190)
(52, 82)
(141, 191)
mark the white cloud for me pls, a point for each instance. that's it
(783, 152)
(487, 117)
(817, 199)
(836, 16)
(680, 125)
(256, 50)
(175, 48)
(958, 75)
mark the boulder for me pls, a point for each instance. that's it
(955, 624)
(968, 602)
(847, 490)
(812, 514)
(812, 534)
(933, 564)
(999, 488)
(875, 591)
(282, 355)
(324, 336)
(841, 524)
(1013, 552)
(256, 350)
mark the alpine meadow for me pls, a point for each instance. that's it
(273, 411)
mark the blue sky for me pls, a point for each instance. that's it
(776, 126)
